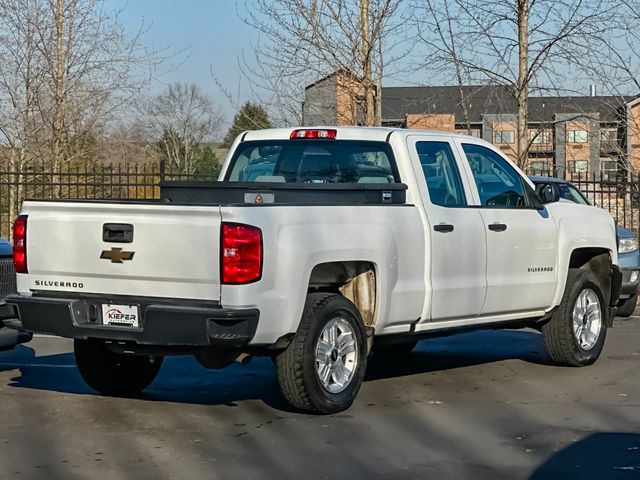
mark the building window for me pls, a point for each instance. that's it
(541, 167)
(578, 166)
(608, 169)
(540, 137)
(577, 136)
(504, 136)
(609, 135)
(474, 132)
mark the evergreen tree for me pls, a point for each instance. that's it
(250, 117)
(207, 162)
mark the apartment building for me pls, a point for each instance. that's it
(567, 135)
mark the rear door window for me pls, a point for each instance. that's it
(441, 174)
(312, 161)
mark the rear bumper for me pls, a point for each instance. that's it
(181, 323)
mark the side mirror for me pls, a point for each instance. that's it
(548, 193)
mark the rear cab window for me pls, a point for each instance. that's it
(313, 161)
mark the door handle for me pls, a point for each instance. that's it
(497, 227)
(443, 227)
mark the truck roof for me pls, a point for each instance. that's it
(379, 134)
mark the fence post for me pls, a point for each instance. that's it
(162, 170)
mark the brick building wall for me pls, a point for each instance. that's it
(633, 134)
(442, 122)
(587, 135)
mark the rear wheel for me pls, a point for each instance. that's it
(576, 332)
(628, 307)
(114, 373)
(323, 367)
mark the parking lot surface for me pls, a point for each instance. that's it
(478, 405)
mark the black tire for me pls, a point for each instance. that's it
(112, 373)
(394, 349)
(628, 307)
(560, 340)
(297, 369)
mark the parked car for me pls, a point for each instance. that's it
(349, 239)
(628, 253)
(9, 338)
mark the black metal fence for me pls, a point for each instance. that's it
(621, 196)
(101, 182)
(618, 195)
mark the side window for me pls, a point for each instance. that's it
(441, 174)
(499, 184)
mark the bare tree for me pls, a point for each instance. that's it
(67, 67)
(304, 40)
(445, 49)
(181, 118)
(528, 45)
(21, 91)
(75, 59)
(613, 60)
(93, 69)
(128, 144)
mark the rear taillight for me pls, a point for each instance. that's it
(20, 244)
(241, 253)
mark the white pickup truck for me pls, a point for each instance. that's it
(316, 246)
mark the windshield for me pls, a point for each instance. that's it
(313, 161)
(571, 193)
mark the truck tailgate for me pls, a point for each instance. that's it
(173, 252)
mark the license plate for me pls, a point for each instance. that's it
(120, 315)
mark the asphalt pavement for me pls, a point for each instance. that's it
(474, 406)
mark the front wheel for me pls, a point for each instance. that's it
(112, 373)
(576, 332)
(323, 367)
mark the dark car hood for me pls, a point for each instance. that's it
(5, 248)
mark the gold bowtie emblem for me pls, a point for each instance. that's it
(116, 255)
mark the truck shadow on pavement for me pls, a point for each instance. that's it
(600, 455)
(459, 351)
(183, 380)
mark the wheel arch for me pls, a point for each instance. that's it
(599, 261)
(356, 280)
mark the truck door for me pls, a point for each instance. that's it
(456, 249)
(521, 239)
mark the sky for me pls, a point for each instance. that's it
(210, 34)
(212, 37)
